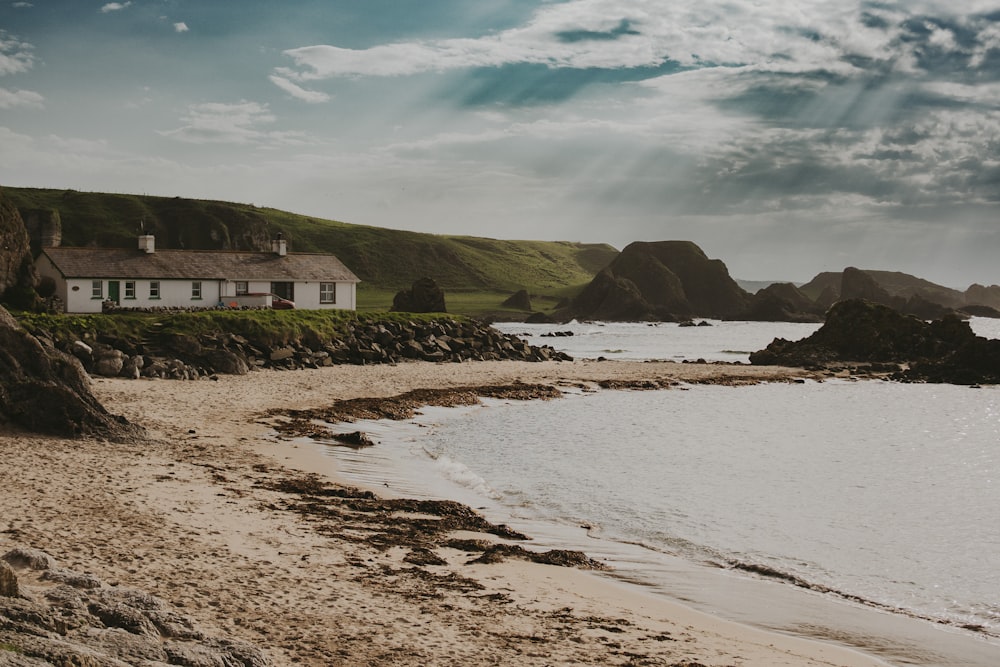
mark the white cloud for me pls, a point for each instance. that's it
(221, 123)
(637, 33)
(21, 5)
(180, 26)
(15, 55)
(311, 96)
(780, 35)
(10, 99)
(115, 6)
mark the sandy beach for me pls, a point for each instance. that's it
(205, 516)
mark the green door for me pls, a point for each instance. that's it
(113, 291)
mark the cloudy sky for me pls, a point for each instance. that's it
(785, 137)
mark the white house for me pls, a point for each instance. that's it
(85, 278)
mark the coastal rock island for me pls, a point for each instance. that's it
(856, 330)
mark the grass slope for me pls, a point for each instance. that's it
(476, 273)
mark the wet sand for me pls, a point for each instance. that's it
(219, 515)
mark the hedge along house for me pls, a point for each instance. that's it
(87, 278)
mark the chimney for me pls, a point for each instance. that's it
(279, 246)
(147, 243)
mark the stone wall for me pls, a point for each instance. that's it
(174, 356)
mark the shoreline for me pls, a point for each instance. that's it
(195, 517)
(738, 593)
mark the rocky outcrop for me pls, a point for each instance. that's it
(17, 273)
(60, 617)
(782, 302)
(980, 295)
(665, 281)
(45, 390)
(858, 284)
(424, 296)
(903, 292)
(187, 357)
(944, 350)
(520, 300)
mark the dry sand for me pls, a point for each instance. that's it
(192, 517)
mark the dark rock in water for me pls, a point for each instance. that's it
(48, 391)
(662, 281)
(519, 300)
(981, 311)
(944, 350)
(423, 297)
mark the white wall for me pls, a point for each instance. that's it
(307, 297)
(76, 293)
(173, 293)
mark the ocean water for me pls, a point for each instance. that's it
(873, 507)
(720, 341)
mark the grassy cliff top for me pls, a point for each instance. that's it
(479, 272)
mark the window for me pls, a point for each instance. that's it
(196, 290)
(328, 292)
(242, 288)
(154, 289)
(129, 289)
(97, 289)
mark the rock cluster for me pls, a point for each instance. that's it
(63, 617)
(178, 356)
(44, 390)
(856, 330)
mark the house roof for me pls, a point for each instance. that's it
(197, 265)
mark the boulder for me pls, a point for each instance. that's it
(519, 300)
(48, 391)
(109, 363)
(424, 296)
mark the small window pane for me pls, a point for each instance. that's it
(154, 289)
(242, 288)
(129, 289)
(196, 290)
(97, 289)
(327, 293)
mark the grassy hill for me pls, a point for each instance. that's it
(477, 274)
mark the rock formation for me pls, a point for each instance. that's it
(519, 299)
(61, 617)
(944, 350)
(666, 280)
(423, 297)
(903, 292)
(782, 302)
(45, 390)
(17, 273)
(980, 295)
